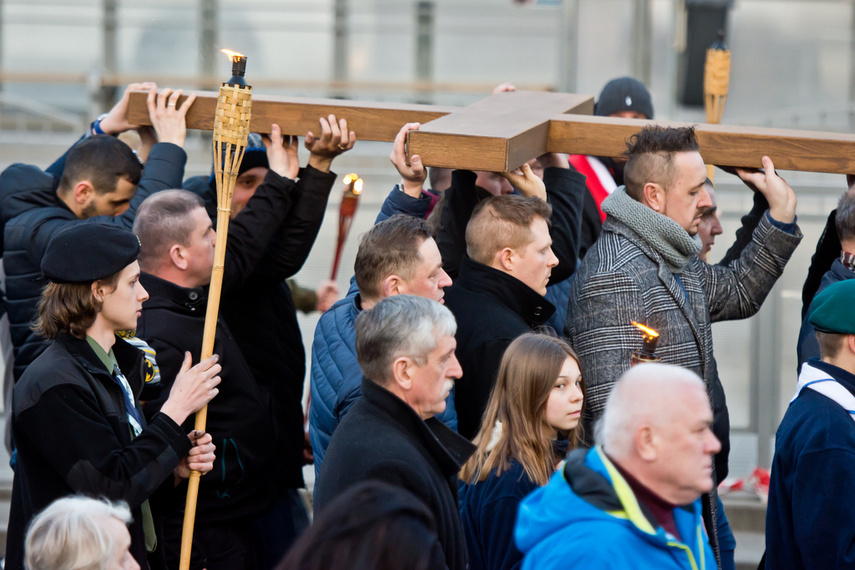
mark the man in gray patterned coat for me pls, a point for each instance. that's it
(645, 268)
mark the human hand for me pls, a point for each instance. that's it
(281, 153)
(116, 120)
(781, 198)
(504, 88)
(200, 458)
(527, 182)
(193, 388)
(334, 140)
(167, 120)
(327, 295)
(414, 174)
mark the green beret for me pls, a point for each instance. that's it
(86, 251)
(834, 308)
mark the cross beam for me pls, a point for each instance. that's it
(506, 129)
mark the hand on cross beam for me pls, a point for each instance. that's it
(527, 182)
(116, 120)
(281, 153)
(413, 172)
(781, 198)
(334, 140)
(167, 118)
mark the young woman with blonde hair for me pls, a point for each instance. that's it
(530, 423)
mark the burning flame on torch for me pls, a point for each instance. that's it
(233, 55)
(354, 179)
(647, 331)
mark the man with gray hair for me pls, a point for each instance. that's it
(82, 533)
(405, 348)
(633, 500)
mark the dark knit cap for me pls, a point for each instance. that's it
(255, 154)
(87, 251)
(624, 94)
(834, 308)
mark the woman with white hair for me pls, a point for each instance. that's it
(81, 533)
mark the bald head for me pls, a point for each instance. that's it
(657, 425)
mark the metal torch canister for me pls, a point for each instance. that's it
(648, 348)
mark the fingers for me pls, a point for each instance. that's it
(185, 106)
(399, 156)
(188, 361)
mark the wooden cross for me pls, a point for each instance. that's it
(504, 130)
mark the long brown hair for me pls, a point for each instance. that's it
(69, 307)
(528, 371)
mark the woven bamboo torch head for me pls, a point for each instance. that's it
(716, 79)
(231, 129)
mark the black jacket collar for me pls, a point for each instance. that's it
(128, 357)
(508, 290)
(165, 294)
(449, 449)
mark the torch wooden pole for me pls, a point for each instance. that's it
(231, 128)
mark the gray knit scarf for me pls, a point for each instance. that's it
(664, 235)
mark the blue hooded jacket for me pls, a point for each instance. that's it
(588, 517)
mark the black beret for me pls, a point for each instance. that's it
(84, 252)
(624, 94)
(834, 308)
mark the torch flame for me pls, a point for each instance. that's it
(233, 55)
(354, 181)
(646, 330)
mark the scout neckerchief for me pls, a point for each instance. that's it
(822, 382)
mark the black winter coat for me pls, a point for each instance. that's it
(262, 317)
(73, 436)
(492, 308)
(32, 213)
(240, 418)
(382, 438)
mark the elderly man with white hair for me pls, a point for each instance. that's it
(633, 500)
(81, 533)
(405, 348)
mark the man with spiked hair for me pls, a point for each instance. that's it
(645, 268)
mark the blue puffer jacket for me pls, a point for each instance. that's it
(588, 517)
(335, 373)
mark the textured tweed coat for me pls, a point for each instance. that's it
(622, 279)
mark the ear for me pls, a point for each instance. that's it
(83, 192)
(402, 373)
(177, 257)
(646, 444)
(392, 285)
(850, 340)
(654, 196)
(505, 259)
(97, 291)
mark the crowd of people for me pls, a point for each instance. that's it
(474, 403)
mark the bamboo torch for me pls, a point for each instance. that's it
(349, 202)
(716, 85)
(231, 128)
